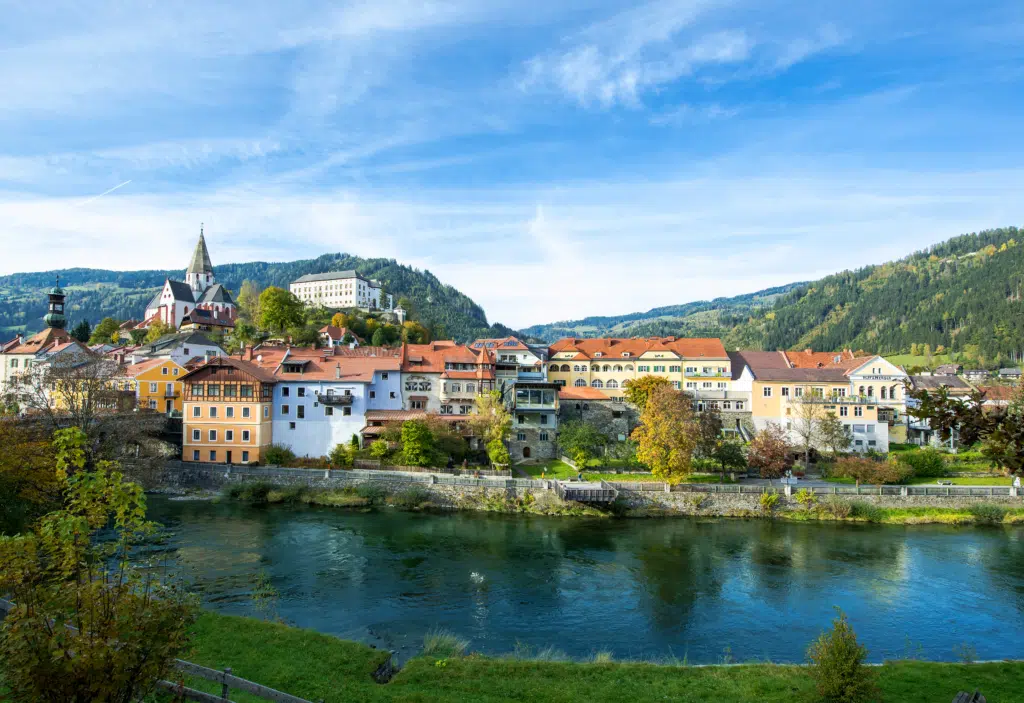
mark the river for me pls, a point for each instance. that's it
(700, 590)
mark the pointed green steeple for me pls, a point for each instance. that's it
(200, 257)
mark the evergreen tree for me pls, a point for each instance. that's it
(82, 331)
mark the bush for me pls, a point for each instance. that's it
(870, 471)
(255, 492)
(805, 498)
(373, 492)
(379, 449)
(987, 513)
(444, 645)
(341, 455)
(836, 507)
(926, 463)
(277, 455)
(837, 665)
(769, 500)
(411, 497)
(865, 511)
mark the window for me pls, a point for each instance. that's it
(543, 436)
(213, 435)
(14, 363)
(471, 388)
(629, 367)
(859, 442)
(384, 375)
(197, 389)
(213, 412)
(543, 419)
(706, 384)
(798, 391)
(858, 411)
(456, 388)
(870, 429)
(245, 456)
(691, 385)
(291, 425)
(245, 390)
(302, 392)
(521, 419)
(721, 385)
(245, 435)
(163, 371)
(885, 393)
(674, 369)
(373, 394)
(597, 383)
(266, 411)
(213, 389)
(415, 404)
(229, 412)
(739, 404)
(230, 390)
(285, 391)
(580, 383)
(644, 368)
(245, 412)
(465, 409)
(767, 392)
(300, 411)
(726, 405)
(858, 428)
(229, 435)
(346, 411)
(844, 411)
(871, 443)
(521, 436)
(196, 411)
(284, 409)
(659, 369)
(195, 455)
(675, 385)
(612, 384)
(328, 410)
(392, 395)
(197, 435)
(152, 388)
(785, 391)
(175, 371)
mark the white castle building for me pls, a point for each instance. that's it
(200, 290)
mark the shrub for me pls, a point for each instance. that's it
(837, 665)
(805, 498)
(836, 507)
(411, 497)
(341, 455)
(870, 471)
(769, 500)
(926, 463)
(865, 511)
(277, 455)
(379, 449)
(255, 492)
(987, 513)
(444, 645)
(373, 492)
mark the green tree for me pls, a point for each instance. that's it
(280, 310)
(138, 336)
(379, 339)
(638, 390)
(729, 455)
(341, 455)
(837, 665)
(709, 432)
(492, 421)
(87, 624)
(580, 441)
(155, 331)
(832, 434)
(667, 434)
(248, 302)
(417, 443)
(82, 331)
(102, 333)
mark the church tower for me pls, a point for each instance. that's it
(199, 275)
(55, 313)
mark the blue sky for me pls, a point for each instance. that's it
(550, 159)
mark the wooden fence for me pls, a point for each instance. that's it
(225, 678)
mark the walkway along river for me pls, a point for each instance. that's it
(703, 590)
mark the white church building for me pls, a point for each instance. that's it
(199, 290)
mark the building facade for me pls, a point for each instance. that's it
(200, 289)
(340, 289)
(157, 384)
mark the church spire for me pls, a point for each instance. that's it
(200, 257)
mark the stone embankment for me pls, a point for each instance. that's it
(634, 498)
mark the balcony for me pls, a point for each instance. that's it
(172, 394)
(719, 394)
(708, 374)
(844, 400)
(335, 399)
(464, 395)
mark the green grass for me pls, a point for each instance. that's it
(964, 481)
(556, 469)
(314, 666)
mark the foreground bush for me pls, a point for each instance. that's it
(864, 470)
(277, 455)
(837, 665)
(926, 463)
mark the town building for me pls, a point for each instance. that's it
(700, 366)
(340, 289)
(975, 375)
(949, 369)
(20, 354)
(445, 377)
(180, 347)
(157, 384)
(792, 388)
(332, 336)
(227, 417)
(209, 320)
(1012, 374)
(613, 418)
(177, 299)
(919, 430)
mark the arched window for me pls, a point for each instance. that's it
(892, 393)
(629, 367)
(612, 384)
(885, 392)
(618, 367)
(554, 368)
(580, 383)
(607, 368)
(871, 391)
(576, 368)
(596, 383)
(861, 391)
(565, 368)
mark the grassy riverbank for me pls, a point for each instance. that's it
(316, 666)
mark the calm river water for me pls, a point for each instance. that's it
(638, 588)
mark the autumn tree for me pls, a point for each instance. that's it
(1004, 443)
(807, 424)
(339, 319)
(768, 452)
(279, 310)
(492, 423)
(156, 330)
(104, 331)
(667, 433)
(87, 623)
(638, 390)
(28, 481)
(248, 302)
(709, 432)
(964, 418)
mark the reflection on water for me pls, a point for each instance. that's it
(637, 588)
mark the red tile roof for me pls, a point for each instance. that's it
(619, 348)
(583, 393)
(40, 341)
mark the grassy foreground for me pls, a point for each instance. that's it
(314, 666)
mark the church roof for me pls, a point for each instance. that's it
(216, 294)
(200, 257)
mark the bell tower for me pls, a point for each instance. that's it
(199, 275)
(55, 308)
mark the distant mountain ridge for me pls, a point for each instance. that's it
(963, 295)
(97, 293)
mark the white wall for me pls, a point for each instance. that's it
(317, 433)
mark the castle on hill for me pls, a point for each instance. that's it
(177, 300)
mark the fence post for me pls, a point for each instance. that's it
(787, 490)
(904, 491)
(668, 488)
(433, 479)
(224, 686)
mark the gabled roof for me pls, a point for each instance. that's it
(808, 359)
(953, 383)
(510, 343)
(329, 276)
(260, 374)
(200, 262)
(203, 316)
(216, 294)
(338, 333)
(691, 348)
(431, 358)
(39, 342)
(133, 370)
(175, 340)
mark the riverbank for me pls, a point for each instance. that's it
(316, 666)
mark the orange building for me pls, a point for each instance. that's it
(227, 412)
(157, 384)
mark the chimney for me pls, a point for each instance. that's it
(807, 351)
(337, 370)
(248, 352)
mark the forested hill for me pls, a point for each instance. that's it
(95, 293)
(964, 295)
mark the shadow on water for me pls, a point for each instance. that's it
(637, 588)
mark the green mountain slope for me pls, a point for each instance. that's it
(95, 293)
(964, 295)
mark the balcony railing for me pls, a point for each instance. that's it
(707, 374)
(172, 394)
(844, 400)
(332, 399)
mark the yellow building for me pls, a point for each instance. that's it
(698, 365)
(227, 412)
(157, 384)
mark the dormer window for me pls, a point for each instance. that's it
(626, 354)
(597, 354)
